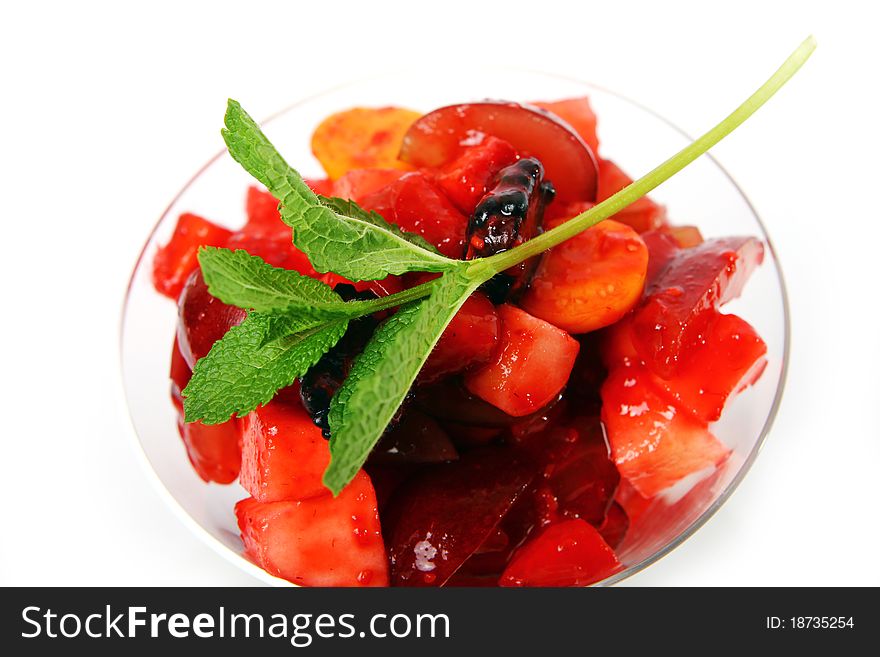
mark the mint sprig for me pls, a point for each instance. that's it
(270, 350)
(358, 245)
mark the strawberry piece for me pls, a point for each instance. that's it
(284, 454)
(567, 553)
(263, 218)
(653, 443)
(437, 520)
(643, 214)
(203, 319)
(323, 186)
(530, 366)
(469, 340)
(214, 450)
(175, 261)
(419, 206)
(440, 136)
(578, 114)
(321, 541)
(681, 300)
(360, 183)
(729, 360)
(466, 179)
(589, 281)
(278, 251)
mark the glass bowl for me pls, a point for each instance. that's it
(636, 138)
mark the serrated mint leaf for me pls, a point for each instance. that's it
(383, 374)
(247, 281)
(348, 208)
(241, 372)
(359, 247)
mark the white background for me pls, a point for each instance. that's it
(107, 109)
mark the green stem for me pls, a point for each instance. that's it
(489, 266)
(392, 300)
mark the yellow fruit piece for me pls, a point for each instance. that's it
(362, 138)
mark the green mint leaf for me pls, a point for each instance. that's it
(359, 247)
(247, 281)
(241, 372)
(383, 374)
(348, 208)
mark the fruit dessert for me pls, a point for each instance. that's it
(464, 358)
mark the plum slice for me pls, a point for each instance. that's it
(440, 136)
(439, 519)
(203, 319)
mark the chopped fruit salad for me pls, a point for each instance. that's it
(453, 361)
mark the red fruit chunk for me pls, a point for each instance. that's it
(441, 517)
(466, 179)
(653, 443)
(214, 450)
(204, 319)
(278, 251)
(678, 307)
(469, 340)
(643, 214)
(615, 344)
(263, 218)
(284, 454)
(321, 541)
(175, 261)
(419, 206)
(530, 367)
(322, 186)
(567, 553)
(728, 360)
(578, 114)
(440, 137)
(359, 183)
(585, 478)
(591, 280)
